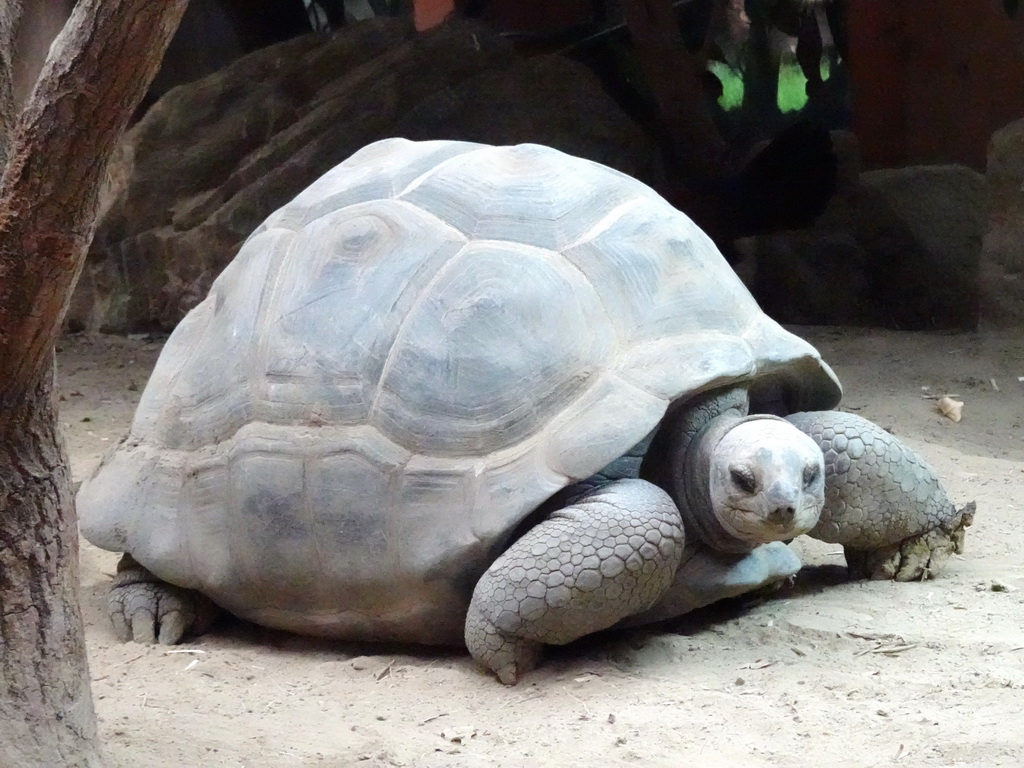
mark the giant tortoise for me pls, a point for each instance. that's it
(500, 394)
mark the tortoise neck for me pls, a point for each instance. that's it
(692, 488)
(680, 462)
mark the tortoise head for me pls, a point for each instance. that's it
(767, 480)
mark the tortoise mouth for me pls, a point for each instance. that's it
(759, 526)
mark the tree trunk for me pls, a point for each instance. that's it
(98, 71)
(10, 17)
(761, 71)
(46, 714)
(40, 24)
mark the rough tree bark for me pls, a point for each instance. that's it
(10, 16)
(97, 73)
(39, 25)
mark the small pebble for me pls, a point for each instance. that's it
(361, 662)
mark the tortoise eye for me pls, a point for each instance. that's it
(743, 479)
(811, 472)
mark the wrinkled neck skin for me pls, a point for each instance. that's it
(680, 462)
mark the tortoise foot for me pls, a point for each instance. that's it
(147, 610)
(705, 577)
(508, 656)
(915, 558)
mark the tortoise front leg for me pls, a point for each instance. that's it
(609, 555)
(705, 577)
(147, 610)
(883, 502)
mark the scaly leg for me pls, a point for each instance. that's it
(705, 577)
(147, 610)
(883, 502)
(609, 555)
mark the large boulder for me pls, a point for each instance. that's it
(545, 100)
(1002, 257)
(213, 158)
(897, 248)
(942, 208)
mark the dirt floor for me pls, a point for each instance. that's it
(827, 673)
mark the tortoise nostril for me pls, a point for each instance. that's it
(783, 514)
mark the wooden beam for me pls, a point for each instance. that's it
(430, 13)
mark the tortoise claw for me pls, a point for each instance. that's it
(144, 609)
(916, 558)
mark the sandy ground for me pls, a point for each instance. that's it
(827, 673)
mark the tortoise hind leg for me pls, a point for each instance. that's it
(147, 610)
(610, 554)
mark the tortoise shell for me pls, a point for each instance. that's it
(406, 360)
